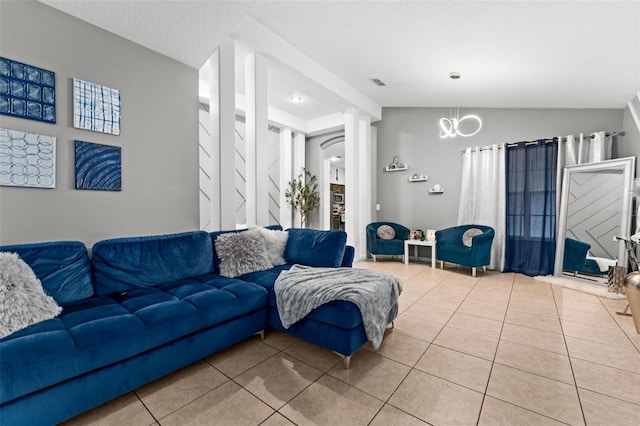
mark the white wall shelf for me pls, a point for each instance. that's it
(397, 169)
(436, 191)
(420, 178)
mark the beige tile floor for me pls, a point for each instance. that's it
(500, 349)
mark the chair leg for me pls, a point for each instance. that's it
(374, 257)
(442, 264)
(473, 271)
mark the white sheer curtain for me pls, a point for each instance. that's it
(482, 195)
(585, 149)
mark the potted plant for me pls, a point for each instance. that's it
(302, 194)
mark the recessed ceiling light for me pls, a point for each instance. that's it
(296, 99)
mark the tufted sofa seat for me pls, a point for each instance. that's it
(143, 307)
(102, 330)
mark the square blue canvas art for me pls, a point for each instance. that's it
(27, 159)
(96, 107)
(27, 91)
(98, 167)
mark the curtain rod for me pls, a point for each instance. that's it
(527, 143)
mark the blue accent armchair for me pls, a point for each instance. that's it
(575, 255)
(377, 246)
(449, 247)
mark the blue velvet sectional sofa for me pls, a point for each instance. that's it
(143, 307)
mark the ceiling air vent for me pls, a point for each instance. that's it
(378, 82)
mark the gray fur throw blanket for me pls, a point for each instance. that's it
(301, 289)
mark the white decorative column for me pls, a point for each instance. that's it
(286, 175)
(257, 133)
(326, 203)
(364, 189)
(299, 161)
(222, 110)
(352, 173)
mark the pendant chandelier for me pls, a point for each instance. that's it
(451, 126)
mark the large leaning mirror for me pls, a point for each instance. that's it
(595, 207)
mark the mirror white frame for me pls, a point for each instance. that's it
(627, 165)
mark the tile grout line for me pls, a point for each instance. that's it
(411, 368)
(145, 406)
(584, 418)
(528, 372)
(493, 362)
(618, 324)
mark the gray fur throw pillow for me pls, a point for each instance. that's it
(23, 301)
(385, 232)
(241, 253)
(276, 243)
(467, 237)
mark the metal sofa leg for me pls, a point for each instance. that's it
(261, 333)
(442, 264)
(473, 271)
(347, 362)
(374, 257)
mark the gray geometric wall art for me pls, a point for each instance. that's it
(98, 167)
(96, 107)
(27, 159)
(27, 91)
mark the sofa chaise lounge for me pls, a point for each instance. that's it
(143, 307)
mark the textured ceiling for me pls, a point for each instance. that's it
(186, 30)
(517, 54)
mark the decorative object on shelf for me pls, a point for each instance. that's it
(436, 189)
(27, 91)
(302, 194)
(451, 126)
(418, 234)
(431, 234)
(96, 107)
(27, 159)
(98, 167)
(418, 177)
(395, 165)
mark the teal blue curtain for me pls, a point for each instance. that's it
(531, 207)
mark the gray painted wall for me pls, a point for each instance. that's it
(412, 134)
(159, 134)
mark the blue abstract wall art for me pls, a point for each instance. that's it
(98, 167)
(27, 91)
(96, 107)
(27, 159)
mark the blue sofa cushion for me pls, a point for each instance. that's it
(315, 248)
(338, 313)
(99, 331)
(63, 268)
(125, 263)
